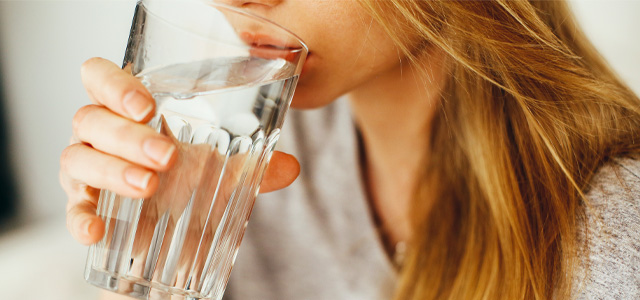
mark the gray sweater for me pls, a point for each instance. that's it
(316, 239)
(611, 269)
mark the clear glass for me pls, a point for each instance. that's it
(222, 80)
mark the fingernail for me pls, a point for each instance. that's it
(137, 177)
(159, 150)
(137, 105)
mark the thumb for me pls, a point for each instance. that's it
(283, 169)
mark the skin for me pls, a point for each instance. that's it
(360, 60)
(391, 101)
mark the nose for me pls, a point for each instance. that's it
(246, 3)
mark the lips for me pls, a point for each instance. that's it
(267, 47)
(265, 41)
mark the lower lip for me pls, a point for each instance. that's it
(272, 53)
(272, 48)
(258, 39)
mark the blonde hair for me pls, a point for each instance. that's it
(529, 113)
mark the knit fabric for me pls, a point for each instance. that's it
(317, 240)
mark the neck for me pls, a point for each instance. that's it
(393, 113)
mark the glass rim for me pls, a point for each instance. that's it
(217, 5)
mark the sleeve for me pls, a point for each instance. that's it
(611, 267)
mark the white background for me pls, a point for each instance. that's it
(42, 45)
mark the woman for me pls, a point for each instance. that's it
(493, 153)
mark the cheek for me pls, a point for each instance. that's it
(338, 70)
(347, 49)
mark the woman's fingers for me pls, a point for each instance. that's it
(283, 169)
(117, 142)
(83, 171)
(82, 221)
(118, 136)
(98, 170)
(112, 152)
(84, 225)
(116, 89)
(124, 178)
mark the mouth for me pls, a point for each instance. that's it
(268, 47)
(263, 41)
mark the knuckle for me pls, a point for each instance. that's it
(64, 182)
(88, 64)
(80, 117)
(65, 158)
(69, 221)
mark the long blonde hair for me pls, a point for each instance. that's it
(529, 113)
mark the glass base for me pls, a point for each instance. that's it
(136, 288)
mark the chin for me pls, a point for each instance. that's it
(308, 99)
(314, 90)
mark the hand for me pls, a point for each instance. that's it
(113, 149)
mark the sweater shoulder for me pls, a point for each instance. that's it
(611, 233)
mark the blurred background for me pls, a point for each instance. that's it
(42, 45)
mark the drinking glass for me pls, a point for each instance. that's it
(222, 80)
